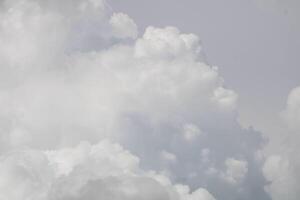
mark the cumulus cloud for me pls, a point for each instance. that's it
(292, 113)
(72, 71)
(123, 26)
(281, 168)
(104, 170)
(167, 43)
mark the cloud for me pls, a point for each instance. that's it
(167, 43)
(168, 156)
(281, 168)
(292, 112)
(191, 132)
(236, 170)
(123, 26)
(66, 78)
(104, 170)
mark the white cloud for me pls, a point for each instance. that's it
(65, 79)
(104, 170)
(225, 98)
(191, 132)
(292, 112)
(282, 167)
(167, 43)
(199, 194)
(282, 176)
(123, 26)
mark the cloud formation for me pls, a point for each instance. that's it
(101, 171)
(282, 167)
(73, 71)
(123, 26)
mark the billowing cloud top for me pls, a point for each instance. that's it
(72, 71)
(282, 168)
(101, 171)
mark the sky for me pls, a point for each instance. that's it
(160, 100)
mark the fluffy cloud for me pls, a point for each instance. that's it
(123, 26)
(282, 168)
(166, 43)
(72, 71)
(104, 170)
(292, 112)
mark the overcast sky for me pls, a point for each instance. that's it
(149, 100)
